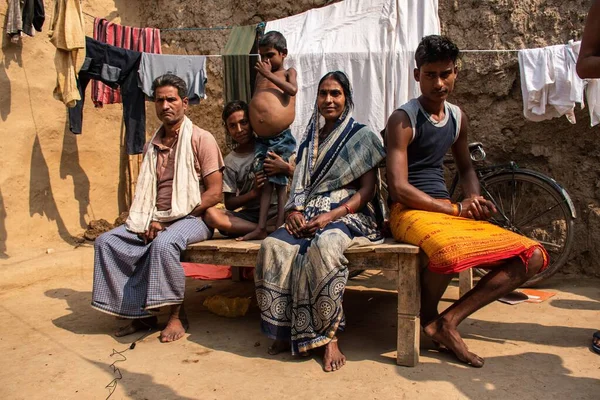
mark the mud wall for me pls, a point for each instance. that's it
(52, 183)
(59, 182)
(489, 90)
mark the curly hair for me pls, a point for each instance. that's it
(434, 48)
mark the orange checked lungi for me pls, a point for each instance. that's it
(454, 244)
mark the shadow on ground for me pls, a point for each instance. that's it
(497, 378)
(370, 332)
(135, 385)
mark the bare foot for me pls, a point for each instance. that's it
(440, 347)
(175, 329)
(333, 359)
(137, 325)
(278, 346)
(441, 332)
(257, 234)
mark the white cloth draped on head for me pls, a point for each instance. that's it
(186, 184)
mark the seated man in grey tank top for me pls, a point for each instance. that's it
(456, 236)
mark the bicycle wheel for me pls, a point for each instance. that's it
(534, 207)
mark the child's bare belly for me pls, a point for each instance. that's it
(271, 112)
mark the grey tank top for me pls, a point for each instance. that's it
(431, 141)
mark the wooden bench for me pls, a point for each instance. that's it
(390, 256)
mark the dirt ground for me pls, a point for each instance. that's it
(54, 345)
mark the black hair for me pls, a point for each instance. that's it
(434, 48)
(275, 40)
(344, 82)
(233, 106)
(171, 80)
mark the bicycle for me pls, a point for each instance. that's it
(529, 203)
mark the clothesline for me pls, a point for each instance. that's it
(222, 28)
(492, 51)
(214, 28)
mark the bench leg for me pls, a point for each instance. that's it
(465, 281)
(409, 305)
(236, 274)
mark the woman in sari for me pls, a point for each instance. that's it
(301, 271)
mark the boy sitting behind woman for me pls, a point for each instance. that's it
(242, 187)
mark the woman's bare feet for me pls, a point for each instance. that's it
(257, 234)
(278, 346)
(333, 359)
(137, 325)
(442, 333)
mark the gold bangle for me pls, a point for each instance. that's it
(455, 210)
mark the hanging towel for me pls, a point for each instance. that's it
(592, 92)
(192, 69)
(144, 40)
(237, 63)
(24, 16)
(14, 19)
(115, 67)
(186, 185)
(549, 84)
(67, 34)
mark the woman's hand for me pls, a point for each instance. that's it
(477, 207)
(274, 165)
(317, 223)
(295, 224)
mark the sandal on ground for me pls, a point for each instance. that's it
(596, 346)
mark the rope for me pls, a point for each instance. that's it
(214, 28)
(491, 51)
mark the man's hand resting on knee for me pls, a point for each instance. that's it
(152, 231)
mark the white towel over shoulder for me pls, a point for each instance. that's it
(186, 185)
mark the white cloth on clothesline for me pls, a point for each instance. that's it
(549, 82)
(372, 41)
(592, 91)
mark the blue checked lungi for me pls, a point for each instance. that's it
(131, 277)
(283, 145)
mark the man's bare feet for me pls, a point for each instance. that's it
(174, 330)
(176, 326)
(257, 234)
(137, 325)
(278, 346)
(441, 332)
(333, 359)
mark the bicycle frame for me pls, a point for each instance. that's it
(486, 172)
